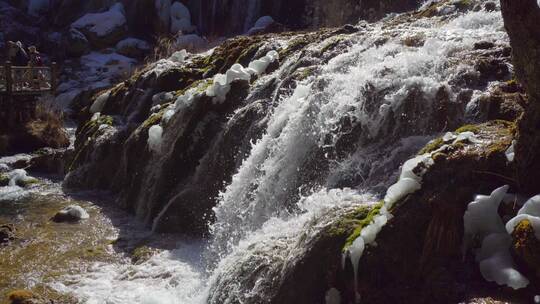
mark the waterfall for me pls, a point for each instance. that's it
(380, 96)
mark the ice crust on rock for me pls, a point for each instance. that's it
(222, 82)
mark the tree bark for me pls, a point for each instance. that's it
(522, 22)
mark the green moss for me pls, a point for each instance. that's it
(142, 254)
(363, 218)
(41, 152)
(154, 119)
(27, 183)
(439, 156)
(432, 146)
(468, 128)
(4, 180)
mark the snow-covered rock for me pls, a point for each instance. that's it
(104, 29)
(180, 19)
(71, 213)
(133, 47)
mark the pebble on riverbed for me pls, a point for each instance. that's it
(71, 213)
(7, 234)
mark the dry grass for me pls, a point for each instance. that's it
(48, 124)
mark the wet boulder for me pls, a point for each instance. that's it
(71, 213)
(75, 43)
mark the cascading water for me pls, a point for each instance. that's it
(379, 96)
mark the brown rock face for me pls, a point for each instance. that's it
(521, 21)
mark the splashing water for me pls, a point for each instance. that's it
(267, 212)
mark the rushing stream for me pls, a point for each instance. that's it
(381, 93)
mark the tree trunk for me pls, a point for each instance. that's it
(522, 22)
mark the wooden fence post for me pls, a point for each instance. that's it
(9, 79)
(54, 71)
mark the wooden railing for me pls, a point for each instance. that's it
(28, 80)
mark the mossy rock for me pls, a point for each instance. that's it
(4, 180)
(360, 219)
(21, 297)
(526, 248)
(27, 182)
(432, 146)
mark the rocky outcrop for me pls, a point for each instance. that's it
(427, 231)
(520, 18)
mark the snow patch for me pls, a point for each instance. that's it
(104, 23)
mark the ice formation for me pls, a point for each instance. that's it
(482, 221)
(180, 18)
(104, 23)
(155, 134)
(260, 65)
(482, 218)
(510, 154)
(222, 83)
(99, 103)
